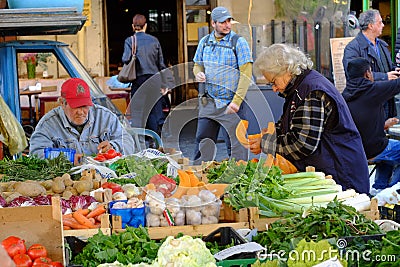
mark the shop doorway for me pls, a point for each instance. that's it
(161, 22)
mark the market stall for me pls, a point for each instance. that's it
(152, 210)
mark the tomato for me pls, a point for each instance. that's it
(22, 260)
(42, 262)
(36, 251)
(110, 154)
(113, 186)
(100, 157)
(56, 264)
(14, 245)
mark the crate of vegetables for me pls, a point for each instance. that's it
(35, 225)
(84, 223)
(390, 212)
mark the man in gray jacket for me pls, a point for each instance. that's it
(367, 45)
(81, 125)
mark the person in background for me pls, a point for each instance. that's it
(366, 99)
(5, 260)
(367, 45)
(227, 73)
(81, 125)
(316, 127)
(146, 103)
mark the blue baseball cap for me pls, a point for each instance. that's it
(220, 14)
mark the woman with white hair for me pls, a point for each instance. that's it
(316, 127)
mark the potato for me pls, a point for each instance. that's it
(11, 186)
(67, 195)
(58, 185)
(12, 196)
(72, 190)
(47, 184)
(82, 186)
(30, 189)
(67, 179)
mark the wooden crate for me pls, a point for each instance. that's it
(36, 224)
(192, 230)
(373, 212)
(227, 214)
(262, 224)
(84, 234)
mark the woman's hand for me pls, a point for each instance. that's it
(255, 145)
(390, 122)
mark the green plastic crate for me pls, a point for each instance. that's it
(236, 263)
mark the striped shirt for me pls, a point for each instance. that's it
(307, 126)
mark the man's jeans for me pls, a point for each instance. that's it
(387, 166)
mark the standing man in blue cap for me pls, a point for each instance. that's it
(223, 67)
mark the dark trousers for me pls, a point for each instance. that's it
(146, 103)
(210, 121)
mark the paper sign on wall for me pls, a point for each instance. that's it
(337, 51)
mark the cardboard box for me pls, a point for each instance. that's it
(35, 224)
(192, 30)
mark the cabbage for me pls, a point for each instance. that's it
(3, 202)
(184, 251)
(42, 200)
(22, 201)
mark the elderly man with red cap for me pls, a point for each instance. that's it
(79, 124)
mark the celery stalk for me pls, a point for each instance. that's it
(303, 175)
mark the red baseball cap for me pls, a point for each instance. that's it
(76, 92)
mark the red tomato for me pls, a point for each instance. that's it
(56, 264)
(113, 186)
(100, 157)
(36, 251)
(110, 154)
(42, 262)
(14, 245)
(22, 260)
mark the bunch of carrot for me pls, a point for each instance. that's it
(84, 218)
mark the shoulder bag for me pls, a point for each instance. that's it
(128, 71)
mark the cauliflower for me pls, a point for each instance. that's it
(184, 251)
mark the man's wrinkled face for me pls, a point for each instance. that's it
(77, 116)
(377, 27)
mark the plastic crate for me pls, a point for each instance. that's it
(224, 236)
(75, 246)
(236, 263)
(50, 153)
(129, 217)
(390, 214)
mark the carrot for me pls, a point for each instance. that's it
(66, 227)
(100, 209)
(92, 220)
(98, 218)
(69, 215)
(84, 212)
(73, 224)
(82, 220)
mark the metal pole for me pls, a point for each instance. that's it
(294, 28)
(272, 31)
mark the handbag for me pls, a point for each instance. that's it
(128, 71)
